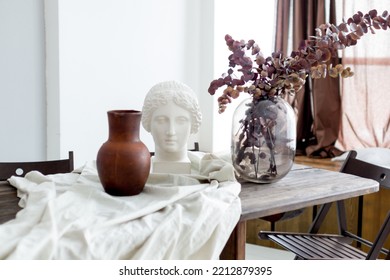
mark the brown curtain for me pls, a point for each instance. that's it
(317, 106)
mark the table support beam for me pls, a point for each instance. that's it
(235, 246)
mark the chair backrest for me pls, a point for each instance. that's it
(8, 169)
(364, 169)
(357, 167)
(195, 149)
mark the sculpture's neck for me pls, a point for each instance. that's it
(179, 156)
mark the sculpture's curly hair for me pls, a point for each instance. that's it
(182, 95)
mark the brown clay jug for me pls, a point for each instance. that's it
(123, 161)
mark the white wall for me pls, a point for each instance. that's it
(238, 19)
(106, 54)
(22, 80)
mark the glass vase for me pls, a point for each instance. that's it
(263, 139)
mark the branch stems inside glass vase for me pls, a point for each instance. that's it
(263, 140)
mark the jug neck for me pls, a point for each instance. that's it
(124, 125)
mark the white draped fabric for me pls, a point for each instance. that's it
(69, 216)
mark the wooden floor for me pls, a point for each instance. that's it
(374, 203)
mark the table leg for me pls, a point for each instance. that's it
(235, 246)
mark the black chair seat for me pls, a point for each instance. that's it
(316, 247)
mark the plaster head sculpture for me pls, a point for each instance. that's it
(171, 113)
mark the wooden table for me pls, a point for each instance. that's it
(8, 202)
(302, 187)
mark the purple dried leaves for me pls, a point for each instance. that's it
(265, 77)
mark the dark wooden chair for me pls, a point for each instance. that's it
(338, 246)
(195, 149)
(8, 199)
(8, 169)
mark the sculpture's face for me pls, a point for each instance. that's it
(171, 128)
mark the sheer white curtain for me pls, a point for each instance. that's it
(366, 96)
